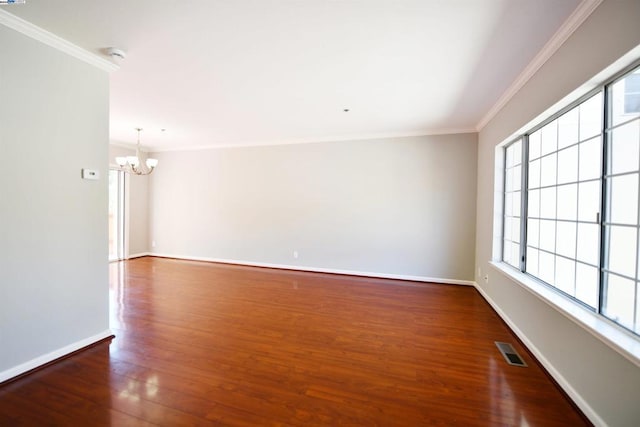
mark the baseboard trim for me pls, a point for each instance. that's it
(139, 255)
(320, 269)
(586, 409)
(45, 359)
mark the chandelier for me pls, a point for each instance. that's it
(131, 164)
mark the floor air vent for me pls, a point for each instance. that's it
(510, 354)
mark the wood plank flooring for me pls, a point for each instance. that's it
(210, 344)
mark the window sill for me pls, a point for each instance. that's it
(614, 336)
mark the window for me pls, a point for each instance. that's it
(576, 226)
(512, 204)
(621, 299)
(632, 93)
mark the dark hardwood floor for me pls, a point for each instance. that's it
(210, 344)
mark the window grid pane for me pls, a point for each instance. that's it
(620, 285)
(567, 202)
(512, 204)
(589, 255)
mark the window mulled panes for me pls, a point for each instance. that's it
(512, 204)
(577, 222)
(564, 201)
(620, 279)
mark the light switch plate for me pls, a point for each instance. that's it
(91, 174)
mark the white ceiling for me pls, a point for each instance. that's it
(237, 72)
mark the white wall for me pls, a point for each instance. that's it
(137, 206)
(53, 225)
(606, 383)
(402, 206)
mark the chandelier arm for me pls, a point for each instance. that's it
(135, 164)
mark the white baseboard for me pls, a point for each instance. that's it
(321, 270)
(138, 255)
(557, 376)
(49, 357)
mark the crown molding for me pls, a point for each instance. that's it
(50, 39)
(572, 23)
(344, 138)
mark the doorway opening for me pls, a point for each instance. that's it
(116, 214)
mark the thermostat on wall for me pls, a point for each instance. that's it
(90, 174)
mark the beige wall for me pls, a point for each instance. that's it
(136, 205)
(402, 206)
(53, 252)
(605, 383)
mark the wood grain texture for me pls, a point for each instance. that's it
(209, 344)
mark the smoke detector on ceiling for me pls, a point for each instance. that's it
(116, 53)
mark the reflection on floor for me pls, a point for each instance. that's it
(210, 344)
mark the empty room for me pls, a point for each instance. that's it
(320, 213)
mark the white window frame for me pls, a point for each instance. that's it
(612, 334)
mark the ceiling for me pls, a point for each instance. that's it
(251, 72)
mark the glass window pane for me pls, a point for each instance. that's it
(512, 207)
(566, 239)
(517, 178)
(623, 196)
(508, 180)
(517, 153)
(588, 249)
(548, 202)
(534, 203)
(548, 235)
(507, 227)
(632, 92)
(590, 167)
(588, 201)
(622, 250)
(567, 201)
(620, 300)
(511, 254)
(565, 275)
(532, 261)
(549, 138)
(591, 117)
(515, 230)
(546, 267)
(509, 156)
(534, 174)
(624, 150)
(508, 204)
(587, 284)
(548, 170)
(516, 203)
(506, 252)
(568, 128)
(625, 98)
(568, 165)
(515, 255)
(533, 230)
(534, 145)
